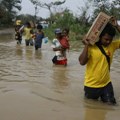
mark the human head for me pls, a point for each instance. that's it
(107, 35)
(58, 32)
(65, 31)
(27, 24)
(39, 27)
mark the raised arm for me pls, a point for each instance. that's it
(83, 58)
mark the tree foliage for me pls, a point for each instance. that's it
(25, 18)
(9, 8)
(61, 17)
(79, 24)
(49, 6)
(109, 7)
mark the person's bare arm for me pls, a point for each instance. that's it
(83, 58)
(58, 49)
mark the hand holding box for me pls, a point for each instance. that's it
(97, 27)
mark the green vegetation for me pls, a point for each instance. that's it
(8, 12)
(78, 25)
(67, 20)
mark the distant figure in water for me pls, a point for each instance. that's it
(60, 44)
(98, 58)
(26, 30)
(39, 35)
(18, 35)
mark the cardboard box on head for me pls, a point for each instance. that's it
(97, 27)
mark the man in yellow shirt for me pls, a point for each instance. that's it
(97, 82)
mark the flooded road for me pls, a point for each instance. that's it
(32, 88)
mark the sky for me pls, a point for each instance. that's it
(28, 8)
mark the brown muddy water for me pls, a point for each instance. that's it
(31, 88)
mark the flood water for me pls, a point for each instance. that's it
(32, 88)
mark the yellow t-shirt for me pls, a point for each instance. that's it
(27, 33)
(97, 73)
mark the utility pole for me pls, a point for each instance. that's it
(36, 12)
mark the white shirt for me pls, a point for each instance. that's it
(56, 44)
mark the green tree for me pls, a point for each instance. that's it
(115, 8)
(49, 6)
(10, 8)
(64, 19)
(109, 7)
(25, 18)
(2, 10)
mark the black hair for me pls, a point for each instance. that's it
(109, 29)
(31, 31)
(27, 23)
(39, 26)
(66, 30)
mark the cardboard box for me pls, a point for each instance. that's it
(97, 27)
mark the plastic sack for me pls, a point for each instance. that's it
(45, 39)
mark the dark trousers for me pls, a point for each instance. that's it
(29, 42)
(54, 60)
(105, 93)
